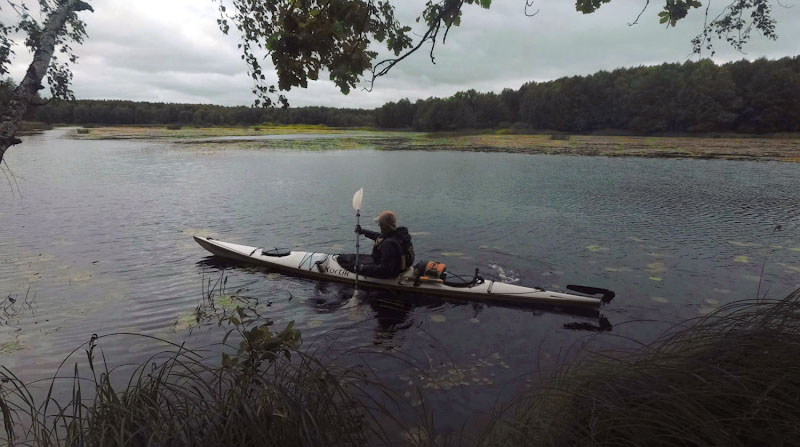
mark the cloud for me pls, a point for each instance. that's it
(173, 51)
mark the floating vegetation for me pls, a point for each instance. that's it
(617, 269)
(636, 239)
(790, 268)
(722, 291)
(78, 277)
(225, 302)
(656, 278)
(596, 248)
(656, 268)
(659, 299)
(474, 320)
(451, 253)
(185, 322)
(795, 249)
(483, 247)
(711, 301)
(314, 323)
(12, 346)
(744, 244)
(741, 259)
(419, 233)
(272, 276)
(438, 318)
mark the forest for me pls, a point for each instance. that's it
(761, 96)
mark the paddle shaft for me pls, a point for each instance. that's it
(358, 224)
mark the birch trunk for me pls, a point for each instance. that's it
(32, 82)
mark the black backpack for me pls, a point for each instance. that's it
(407, 258)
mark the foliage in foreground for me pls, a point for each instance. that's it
(731, 379)
(265, 393)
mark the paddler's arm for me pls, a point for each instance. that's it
(369, 234)
(390, 262)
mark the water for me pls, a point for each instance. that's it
(96, 239)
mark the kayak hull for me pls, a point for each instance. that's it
(323, 266)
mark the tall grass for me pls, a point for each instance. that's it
(261, 391)
(730, 379)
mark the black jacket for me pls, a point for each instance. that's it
(386, 253)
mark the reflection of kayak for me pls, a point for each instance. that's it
(327, 267)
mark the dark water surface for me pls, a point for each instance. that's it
(98, 236)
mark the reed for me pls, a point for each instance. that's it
(730, 378)
(261, 391)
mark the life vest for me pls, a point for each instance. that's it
(406, 250)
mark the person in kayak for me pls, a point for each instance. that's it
(392, 253)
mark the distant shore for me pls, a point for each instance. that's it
(732, 147)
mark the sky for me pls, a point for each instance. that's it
(172, 51)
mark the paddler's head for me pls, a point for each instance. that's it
(387, 221)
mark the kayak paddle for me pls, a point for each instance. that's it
(357, 197)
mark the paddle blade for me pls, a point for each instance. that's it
(357, 199)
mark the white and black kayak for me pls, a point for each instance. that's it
(324, 266)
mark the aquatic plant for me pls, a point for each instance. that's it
(730, 378)
(265, 391)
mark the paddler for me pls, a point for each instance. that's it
(393, 252)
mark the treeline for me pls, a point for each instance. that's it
(749, 97)
(114, 112)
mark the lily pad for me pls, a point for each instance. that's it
(452, 253)
(438, 318)
(226, 302)
(744, 244)
(656, 268)
(185, 322)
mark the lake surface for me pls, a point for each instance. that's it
(96, 238)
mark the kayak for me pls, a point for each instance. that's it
(323, 266)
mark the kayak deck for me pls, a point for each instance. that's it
(324, 266)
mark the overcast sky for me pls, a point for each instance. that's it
(172, 51)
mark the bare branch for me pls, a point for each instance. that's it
(529, 4)
(647, 3)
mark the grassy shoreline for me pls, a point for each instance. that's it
(782, 147)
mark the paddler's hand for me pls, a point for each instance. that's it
(358, 229)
